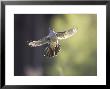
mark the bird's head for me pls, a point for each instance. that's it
(51, 30)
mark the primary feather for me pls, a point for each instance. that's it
(40, 42)
(66, 34)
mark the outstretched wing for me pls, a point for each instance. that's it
(40, 42)
(66, 34)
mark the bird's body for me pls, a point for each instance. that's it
(53, 41)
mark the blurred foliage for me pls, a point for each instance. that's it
(78, 55)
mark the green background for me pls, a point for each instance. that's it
(78, 55)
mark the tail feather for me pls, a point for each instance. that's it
(51, 52)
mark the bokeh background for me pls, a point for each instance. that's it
(78, 55)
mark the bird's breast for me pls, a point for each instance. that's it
(53, 39)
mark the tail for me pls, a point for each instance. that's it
(51, 52)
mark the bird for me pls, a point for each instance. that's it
(52, 39)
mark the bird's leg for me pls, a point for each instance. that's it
(57, 49)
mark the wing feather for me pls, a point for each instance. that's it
(66, 34)
(40, 42)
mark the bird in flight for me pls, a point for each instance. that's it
(52, 39)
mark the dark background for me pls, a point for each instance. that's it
(26, 59)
